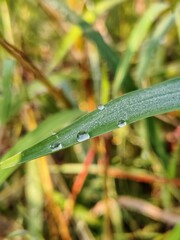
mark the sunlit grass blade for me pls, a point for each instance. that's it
(177, 18)
(136, 38)
(5, 17)
(105, 5)
(131, 107)
(64, 46)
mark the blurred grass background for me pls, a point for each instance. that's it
(58, 60)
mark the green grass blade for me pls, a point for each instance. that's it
(65, 45)
(7, 76)
(34, 199)
(109, 55)
(155, 140)
(136, 38)
(151, 46)
(174, 233)
(75, 32)
(49, 126)
(131, 107)
(103, 6)
(177, 19)
(46, 128)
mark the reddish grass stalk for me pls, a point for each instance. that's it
(78, 184)
(81, 177)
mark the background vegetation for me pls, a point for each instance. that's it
(59, 60)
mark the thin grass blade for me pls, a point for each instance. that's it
(177, 19)
(75, 32)
(151, 46)
(135, 40)
(7, 77)
(109, 55)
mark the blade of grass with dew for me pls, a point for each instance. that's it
(7, 76)
(46, 128)
(110, 56)
(150, 47)
(135, 40)
(131, 107)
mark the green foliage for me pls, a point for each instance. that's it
(103, 71)
(7, 75)
(117, 113)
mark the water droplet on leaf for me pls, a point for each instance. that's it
(122, 123)
(82, 136)
(56, 146)
(54, 134)
(101, 107)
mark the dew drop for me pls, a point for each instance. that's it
(54, 134)
(122, 123)
(82, 136)
(101, 107)
(56, 146)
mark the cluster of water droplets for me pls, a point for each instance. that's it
(121, 123)
(83, 135)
